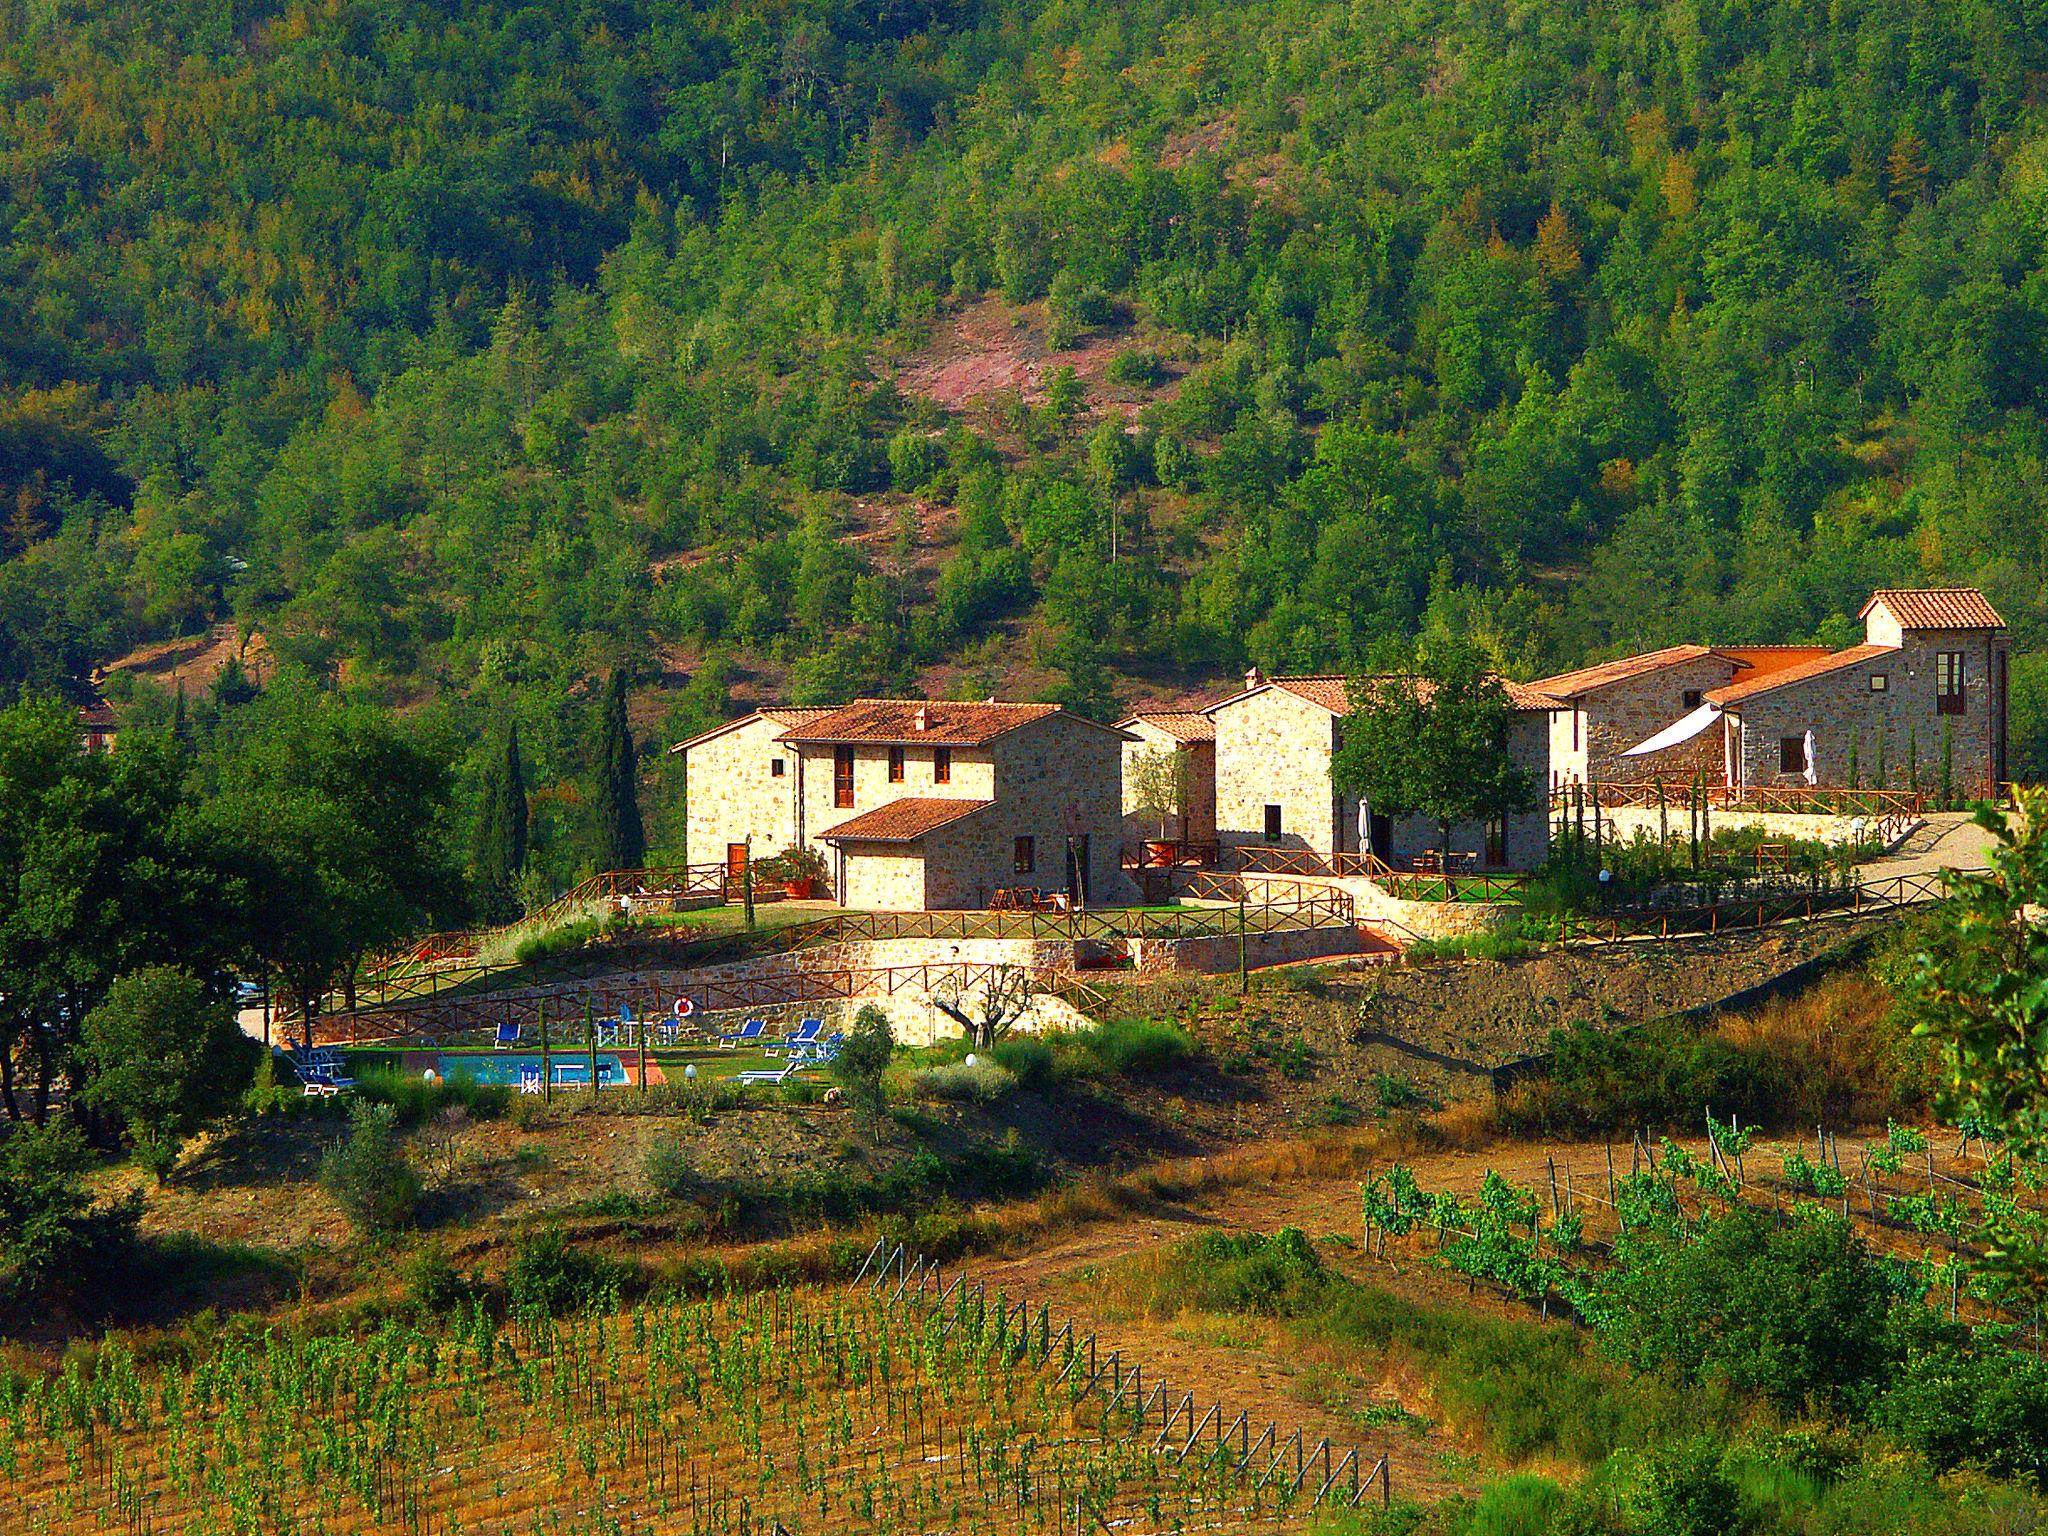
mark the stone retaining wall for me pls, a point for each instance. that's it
(1411, 919)
(1628, 821)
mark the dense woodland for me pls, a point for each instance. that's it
(471, 351)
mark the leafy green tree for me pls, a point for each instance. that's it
(621, 842)
(863, 1057)
(340, 815)
(165, 1058)
(105, 867)
(54, 1236)
(1434, 743)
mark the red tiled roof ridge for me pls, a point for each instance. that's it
(1332, 690)
(1735, 693)
(1183, 724)
(1601, 674)
(1936, 607)
(903, 821)
(947, 722)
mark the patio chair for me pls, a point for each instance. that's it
(806, 1034)
(823, 1053)
(607, 1031)
(508, 1034)
(529, 1080)
(749, 1034)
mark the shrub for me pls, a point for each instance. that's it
(164, 1060)
(548, 1273)
(1252, 1272)
(1136, 367)
(982, 1083)
(1027, 1058)
(416, 1100)
(432, 1282)
(1134, 1047)
(52, 1234)
(367, 1172)
(1792, 1314)
(1985, 1407)
(670, 1172)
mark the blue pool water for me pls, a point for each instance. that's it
(507, 1068)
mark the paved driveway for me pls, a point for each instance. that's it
(1949, 840)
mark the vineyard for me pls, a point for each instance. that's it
(1922, 1212)
(848, 1410)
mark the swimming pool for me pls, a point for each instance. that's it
(509, 1068)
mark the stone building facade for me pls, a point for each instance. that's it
(921, 803)
(1608, 708)
(1192, 734)
(1275, 744)
(1928, 682)
(741, 781)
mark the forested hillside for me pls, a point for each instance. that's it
(468, 350)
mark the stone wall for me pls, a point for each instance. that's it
(1635, 709)
(1273, 748)
(1897, 725)
(731, 793)
(973, 778)
(1410, 919)
(1213, 956)
(1055, 777)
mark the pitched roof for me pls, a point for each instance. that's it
(1604, 674)
(1180, 724)
(946, 723)
(1333, 692)
(903, 821)
(1936, 608)
(785, 715)
(1735, 693)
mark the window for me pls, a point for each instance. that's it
(1791, 754)
(1948, 682)
(942, 765)
(1575, 730)
(842, 778)
(1497, 841)
(895, 765)
(1880, 681)
(1024, 855)
(1690, 699)
(774, 767)
(1272, 823)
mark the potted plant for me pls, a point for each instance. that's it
(801, 869)
(1160, 784)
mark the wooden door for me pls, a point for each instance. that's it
(735, 868)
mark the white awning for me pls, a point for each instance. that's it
(1679, 730)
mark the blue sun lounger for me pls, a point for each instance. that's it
(749, 1033)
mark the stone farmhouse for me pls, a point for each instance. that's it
(918, 804)
(1929, 675)
(1275, 741)
(1191, 733)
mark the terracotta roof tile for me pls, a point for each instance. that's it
(1936, 608)
(1333, 692)
(946, 723)
(1604, 674)
(785, 715)
(902, 821)
(1180, 724)
(1735, 693)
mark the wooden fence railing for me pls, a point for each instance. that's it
(427, 1020)
(1873, 804)
(1757, 911)
(1307, 861)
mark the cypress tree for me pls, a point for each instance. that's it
(499, 853)
(621, 841)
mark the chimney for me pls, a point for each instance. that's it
(923, 720)
(1254, 678)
